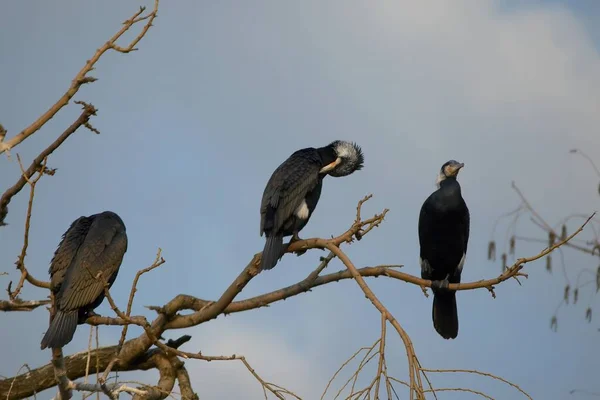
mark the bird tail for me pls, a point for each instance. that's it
(445, 315)
(61, 330)
(272, 252)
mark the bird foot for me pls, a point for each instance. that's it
(296, 238)
(88, 314)
(440, 286)
(299, 252)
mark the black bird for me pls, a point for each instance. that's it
(443, 236)
(293, 192)
(92, 245)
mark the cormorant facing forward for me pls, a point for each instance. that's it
(92, 245)
(443, 236)
(293, 192)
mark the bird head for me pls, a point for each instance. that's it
(449, 170)
(349, 158)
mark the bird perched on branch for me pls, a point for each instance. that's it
(293, 191)
(443, 235)
(89, 254)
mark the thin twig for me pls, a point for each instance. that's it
(21, 259)
(81, 78)
(471, 371)
(88, 111)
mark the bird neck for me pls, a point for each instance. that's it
(327, 155)
(450, 183)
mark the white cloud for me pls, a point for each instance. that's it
(273, 357)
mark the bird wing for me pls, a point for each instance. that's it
(287, 188)
(67, 249)
(465, 226)
(101, 252)
(425, 229)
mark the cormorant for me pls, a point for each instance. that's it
(443, 237)
(92, 245)
(293, 191)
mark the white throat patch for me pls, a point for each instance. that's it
(441, 177)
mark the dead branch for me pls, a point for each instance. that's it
(21, 305)
(84, 117)
(470, 371)
(81, 78)
(65, 390)
(546, 226)
(185, 385)
(13, 295)
(136, 320)
(168, 317)
(481, 394)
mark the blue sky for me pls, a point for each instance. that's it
(220, 93)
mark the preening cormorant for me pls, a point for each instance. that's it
(293, 192)
(92, 245)
(443, 236)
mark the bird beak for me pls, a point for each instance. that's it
(455, 168)
(330, 166)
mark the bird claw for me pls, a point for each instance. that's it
(299, 252)
(296, 238)
(86, 315)
(440, 286)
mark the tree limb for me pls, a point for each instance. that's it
(88, 111)
(81, 78)
(135, 352)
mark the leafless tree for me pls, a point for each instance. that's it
(578, 280)
(150, 351)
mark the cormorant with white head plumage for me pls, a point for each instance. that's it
(443, 235)
(293, 191)
(91, 248)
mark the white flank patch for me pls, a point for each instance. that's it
(302, 210)
(461, 263)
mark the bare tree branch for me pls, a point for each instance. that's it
(88, 111)
(81, 78)
(168, 318)
(21, 305)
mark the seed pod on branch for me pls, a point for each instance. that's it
(575, 295)
(511, 249)
(563, 233)
(549, 264)
(588, 314)
(492, 250)
(503, 262)
(598, 279)
(554, 324)
(551, 238)
(566, 297)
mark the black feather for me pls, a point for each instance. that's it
(272, 252)
(90, 252)
(445, 315)
(443, 237)
(61, 330)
